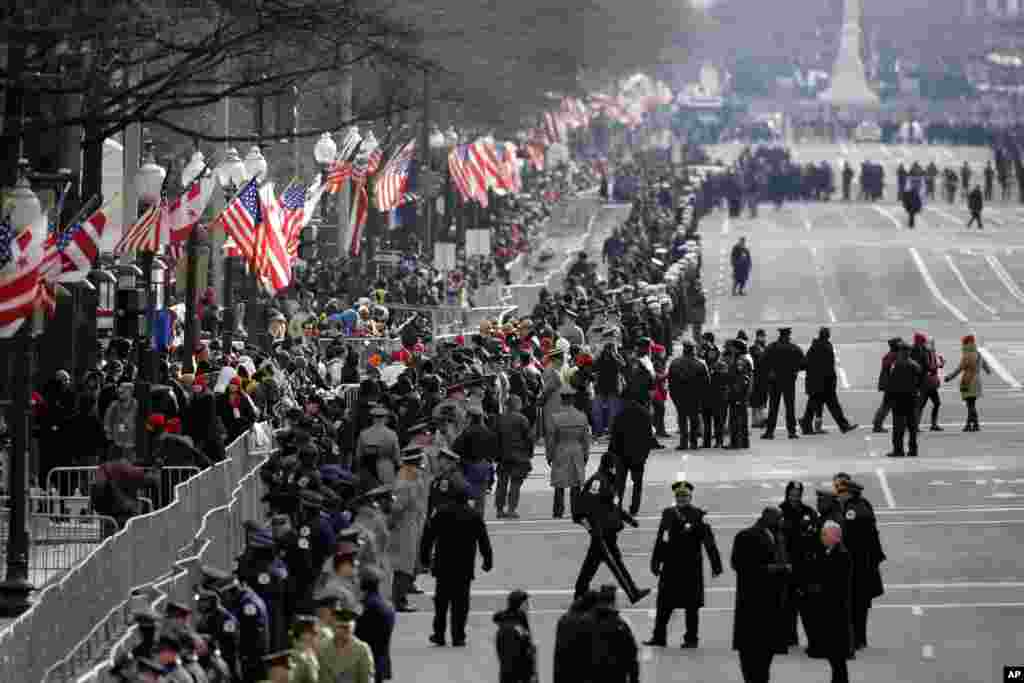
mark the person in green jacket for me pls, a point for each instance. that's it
(345, 658)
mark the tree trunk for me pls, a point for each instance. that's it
(92, 160)
(13, 104)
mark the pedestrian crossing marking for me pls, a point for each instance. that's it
(939, 483)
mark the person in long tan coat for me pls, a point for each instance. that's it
(969, 370)
(550, 399)
(569, 451)
(408, 515)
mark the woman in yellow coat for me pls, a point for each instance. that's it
(969, 370)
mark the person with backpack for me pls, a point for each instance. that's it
(923, 352)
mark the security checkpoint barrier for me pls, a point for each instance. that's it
(59, 542)
(74, 617)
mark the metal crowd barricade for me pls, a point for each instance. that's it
(220, 539)
(78, 481)
(78, 612)
(59, 542)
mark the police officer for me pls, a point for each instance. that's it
(278, 666)
(377, 451)
(600, 511)
(678, 559)
(784, 361)
(450, 542)
(800, 527)
(219, 625)
(253, 626)
(262, 569)
(688, 381)
(446, 483)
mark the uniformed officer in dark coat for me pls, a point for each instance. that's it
(678, 560)
(600, 511)
(829, 594)
(262, 569)
(253, 626)
(799, 527)
(758, 558)
(447, 483)
(450, 542)
(783, 360)
(215, 620)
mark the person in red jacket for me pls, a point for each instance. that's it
(660, 393)
(883, 384)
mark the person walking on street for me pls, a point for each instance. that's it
(969, 371)
(799, 527)
(450, 543)
(975, 203)
(741, 266)
(758, 559)
(829, 593)
(515, 457)
(678, 560)
(925, 355)
(613, 651)
(600, 513)
(630, 443)
(567, 451)
(821, 382)
(784, 361)
(905, 381)
(883, 385)
(517, 655)
(688, 382)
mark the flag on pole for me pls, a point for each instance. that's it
(144, 235)
(341, 169)
(393, 180)
(273, 265)
(242, 218)
(469, 180)
(69, 254)
(293, 210)
(357, 221)
(181, 215)
(20, 258)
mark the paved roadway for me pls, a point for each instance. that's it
(951, 520)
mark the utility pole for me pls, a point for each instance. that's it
(345, 115)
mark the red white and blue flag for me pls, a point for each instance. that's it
(242, 218)
(69, 254)
(21, 255)
(469, 180)
(393, 181)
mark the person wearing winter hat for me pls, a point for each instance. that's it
(517, 654)
(969, 371)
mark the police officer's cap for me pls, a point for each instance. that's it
(176, 609)
(419, 428)
(682, 486)
(375, 494)
(450, 454)
(214, 577)
(333, 474)
(279, 659)
(302, 620)
(147, 665)
(379, 411)
(280, 520)
(262, 540)
(146, 615)
(854, 487)
(349, 535)
(412, 455)
(785, 331)
(346, 549)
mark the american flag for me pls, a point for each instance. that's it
(69, 254)
(535, 151)
(145, 234)
(273, 263)
(20, 258)
(242, 218)
(360, 209)
(368, 161)
(468, 178)
(505, 165)
(293, 206)
(341, 169)
(486, 159)
(393, 180)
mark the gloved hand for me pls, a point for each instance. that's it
(487, 566)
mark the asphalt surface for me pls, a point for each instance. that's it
(951, 520)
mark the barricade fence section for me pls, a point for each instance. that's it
(66, 614)
(219, 541)
(76, 482)
(59, 542)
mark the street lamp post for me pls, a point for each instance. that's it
(232, 174)
(16, 588)
(189, 175)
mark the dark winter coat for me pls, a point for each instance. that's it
(572, 645)
(630, 438)
(678, 557)
(860, 536)
(688, 381)
(450, 542)
(800, 527)
(741, 263)
(374, 627)
(760, 582)
(515, 443)
(783, 361)
(517, 656)
(821, 367)
(829, 597)
(613, 649)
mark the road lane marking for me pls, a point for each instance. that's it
(725, 225)
(917, 611)
(970, 292)
(928, 652)
(923, 523)
(934, 288)
(883, 481)
(896, 222)
(999, 368)
(1004, 276)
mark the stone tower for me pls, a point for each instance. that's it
(849, 86)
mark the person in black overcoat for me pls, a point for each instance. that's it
(631, 443)
(758, 558)
(821, 382)
(800, 530)
(678, 559)
(829, 593)
(449, 545)
(860, 534)
(573, 641)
